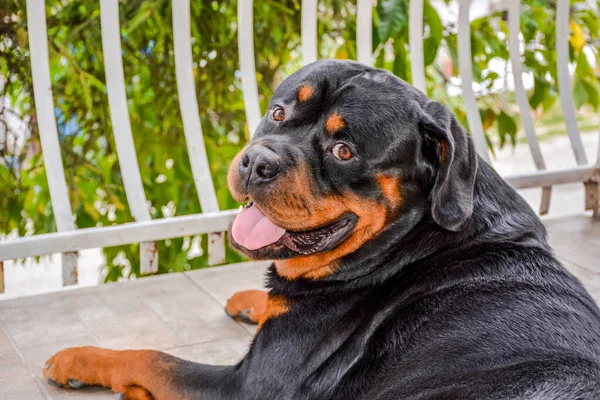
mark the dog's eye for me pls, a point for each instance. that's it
(342, 151)
(278, 114)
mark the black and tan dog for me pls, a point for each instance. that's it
(405, 268)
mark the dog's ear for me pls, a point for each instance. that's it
(452, 200)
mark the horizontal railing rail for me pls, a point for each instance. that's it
(116, 235)
(69, 240)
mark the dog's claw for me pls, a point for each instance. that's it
(75, 384)
(54, 383)
(243, 316)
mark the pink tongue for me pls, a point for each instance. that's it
(253, 230)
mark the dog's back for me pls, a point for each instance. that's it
(516, 325)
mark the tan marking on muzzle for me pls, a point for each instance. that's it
(234, 179)
(371, 220)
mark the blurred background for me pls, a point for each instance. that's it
(86, 136)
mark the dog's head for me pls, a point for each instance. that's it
(343, 151)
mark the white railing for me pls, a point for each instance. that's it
(68, 240)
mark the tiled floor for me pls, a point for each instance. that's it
(181, 314)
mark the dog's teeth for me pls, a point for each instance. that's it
(241, 208)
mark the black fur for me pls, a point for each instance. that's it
(459, 298)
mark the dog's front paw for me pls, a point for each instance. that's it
(75, 368)
(247, 306)
(125, 372)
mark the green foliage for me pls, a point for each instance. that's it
(86, 136)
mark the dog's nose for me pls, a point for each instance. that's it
(260, 165)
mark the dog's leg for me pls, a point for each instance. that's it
(248, 306)
(138, 374)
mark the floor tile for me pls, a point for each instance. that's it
(221, 352)
(222, 283)
(21, 388)
(202, 330)
(144, 330)
(11, 365)
(36, 356)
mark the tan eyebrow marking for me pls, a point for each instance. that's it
(334, 123)
(304, 93)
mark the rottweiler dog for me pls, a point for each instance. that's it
(404, 266)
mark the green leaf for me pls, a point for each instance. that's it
(86, 92)
(590, 20)
(592, 94)
(540, 90)
(430, 48)
(139, 19)
(506, 126)
(393, 18)
(583, 68)
(401, 67)
(491, 75)
(432, 19)
(548, 102)
(488, 117)
(579, 93)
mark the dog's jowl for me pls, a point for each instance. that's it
(403, 266)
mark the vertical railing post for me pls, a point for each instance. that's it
(364, 31)
(309, 31)
(465, 63)
(44, 107)
(117, 101)
(514, 27)
(245, 17)
(592, 197)
(592, 188)
(415, 38)
(593, 193)
(192, 127)
(2, 288)
(598, 153)
(564, 80)
(563, 17)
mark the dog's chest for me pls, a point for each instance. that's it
(312, 355)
